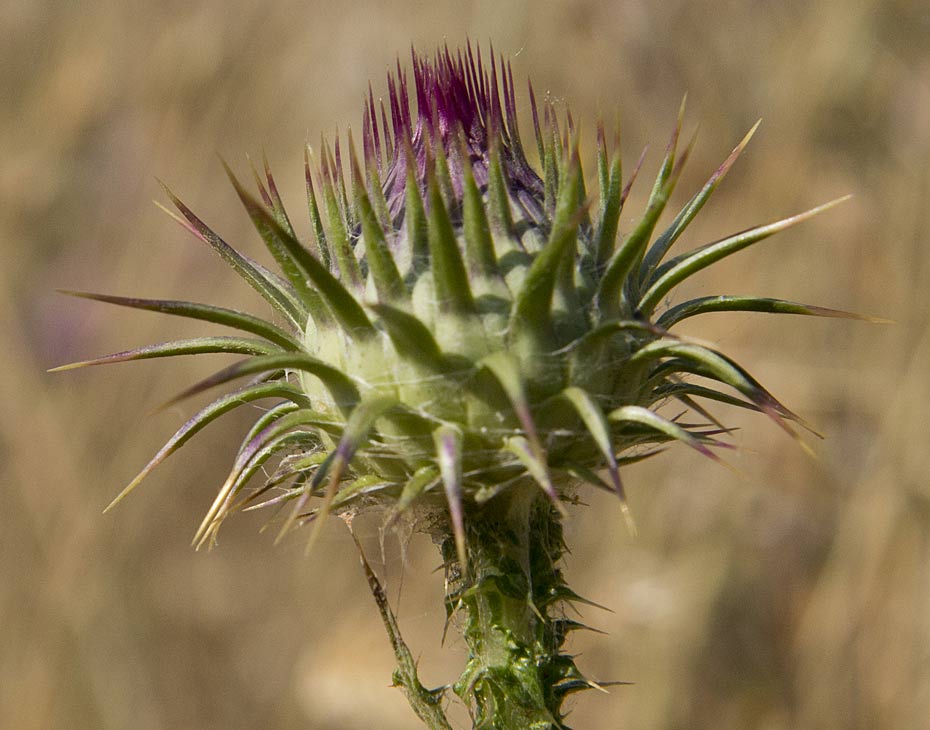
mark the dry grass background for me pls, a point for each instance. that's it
(796, 596)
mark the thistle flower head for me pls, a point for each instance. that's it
(462, 322)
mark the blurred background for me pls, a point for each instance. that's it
(793, 595)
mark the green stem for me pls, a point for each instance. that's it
(516, 676)
(426, 703)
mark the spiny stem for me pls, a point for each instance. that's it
(516, 676)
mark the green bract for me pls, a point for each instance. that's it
(470, 337)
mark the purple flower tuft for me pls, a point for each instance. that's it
(463, 109)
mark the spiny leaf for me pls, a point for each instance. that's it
(506, 370)
(703, 305)
(614, 326)
(265, 451)
(422, 479)
(594, 420)
(245, 267)
(360, 422)
(388, 282)
(267, 430)
(206, 312)
(630, 251)
(676, 390)
(206, 416)
(708, 363)
(410, 336)
(535, 464)
(294, 465)
(206, 532)
(195, 346)
(277, 205)
(690, 263)
(531, 310)
(275, 230)
(417, 233)
(313, 209)
(498, 195)
(611, 204)
(664, 242)
(448, 441)
(338, 232)
(479, 247)
(338, 383)
(340, 300)
(650, 419)
(449, 276)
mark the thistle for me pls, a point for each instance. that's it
(467, 340)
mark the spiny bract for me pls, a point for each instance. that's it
(461, 323)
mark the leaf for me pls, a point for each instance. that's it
(410, 336)
(611, 205)
(313, 210)
(422, 479)
(711, 364)
(614, 326)
(498, 197)
(448, 440)
(664, 242)
(453, 290)
(479, 246)
(276, 203)
(388, 281)
(534, 462)
(205, 416)
(340, 386)
(594, 420)
(417, 229)
(268, 449)
(361, 421)
(703, 305)
(690, 263)
(652, 420)
(676, 390)
(208, 313)
(532, 308)
(338, 231)
(629, 252)
(245, 267)
(281, 420)
(195, 346)
(274, 230)
(343, 304)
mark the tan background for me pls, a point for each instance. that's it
(795, 596)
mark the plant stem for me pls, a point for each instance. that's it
(516, 676)
(427, 704)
